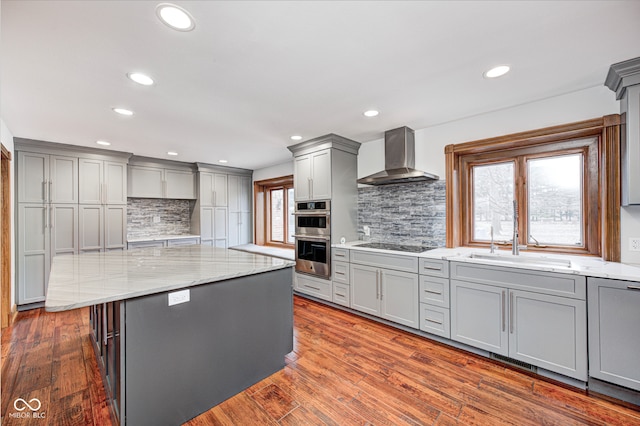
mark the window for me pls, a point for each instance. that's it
(562, 182)
(274, 212)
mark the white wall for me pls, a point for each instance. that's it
(271, 172)
(581, 105)
(7, 140)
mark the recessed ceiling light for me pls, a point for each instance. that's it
(222, 161)
(296, 138)
(371, 113)
(497, 71)
(175, 17)
(104, 143)
(123, 111)
(139, 78)
(172, 153)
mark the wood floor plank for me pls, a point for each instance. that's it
(345, 370)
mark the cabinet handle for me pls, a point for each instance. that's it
(340, 255)
(433, 321)
(511, 312)
(45, 217)
(377, 285)
(432, 292)
(52, 217)
(50, 188)
(44, 190)
(309, 185)
(633, 287)
(381, 285)
(215, 198)
(432, 268)
(312, 287)
(341, 295)
(104, 324)
(504, 297)
(339, 273)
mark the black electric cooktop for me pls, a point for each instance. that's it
(397, 247)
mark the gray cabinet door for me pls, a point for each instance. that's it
(91, 228)
(179, 184)
(321, 175)
(478, 316)
(399, 297)
(549, 331)
(33, 252)
(239, 228)
(145, 182)
(33, 177)
(365, 289)
(614, 340)
(302, 177)
(220, 196)
(220, 227)
(115, 227)
(115, 183)
(91, 188)
(212, 189)
(64, 229)
(63, 179)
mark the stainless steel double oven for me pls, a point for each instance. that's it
(313, 238)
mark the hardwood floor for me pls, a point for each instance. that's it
(344, 370)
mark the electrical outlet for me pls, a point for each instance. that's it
(156, 219)
(634, 244)
(367, 230)
(177, 297)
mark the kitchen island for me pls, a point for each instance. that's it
(178, 330)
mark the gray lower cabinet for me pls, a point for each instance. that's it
(434, 297)
(102, 228)
(313, 286)
(544, 330)
(614, 340)
(213, 226)
(44, 231)
(389, 294)
(145, 244)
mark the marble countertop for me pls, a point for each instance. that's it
(580, 265)
(87, 279)
(161, 238)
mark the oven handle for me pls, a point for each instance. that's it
(312, 237)
(312, 213)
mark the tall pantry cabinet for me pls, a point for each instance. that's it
(222, 214)
(66, 196)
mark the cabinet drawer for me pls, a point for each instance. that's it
(389, 261)
(314, 287)
(340, 254)
(434, 267)
(341, 272)
(558, 284)
(434, 291)
(183, 242)
(341, 294)
(143, 244)
(435, 320)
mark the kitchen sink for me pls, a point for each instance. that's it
(523, 260)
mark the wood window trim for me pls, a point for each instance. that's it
(263, 211)
(606, 196)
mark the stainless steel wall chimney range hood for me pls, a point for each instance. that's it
(399, 160)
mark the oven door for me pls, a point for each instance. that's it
(313, 223)
(313, 255)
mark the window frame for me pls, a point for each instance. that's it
(601, 192)
(262, 201)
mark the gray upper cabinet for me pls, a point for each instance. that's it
(537, 326)
(212, 189)
(102, 182)
(312, 176)
(45, 178)
(614, 340)
(148, 181)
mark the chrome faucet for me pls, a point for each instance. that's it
(515, 249)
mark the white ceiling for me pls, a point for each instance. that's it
(254, 73)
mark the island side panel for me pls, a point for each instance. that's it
(183, 359)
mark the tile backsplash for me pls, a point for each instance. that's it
(408, 213)
(175, 217)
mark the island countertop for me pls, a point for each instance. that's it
(87, 279)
